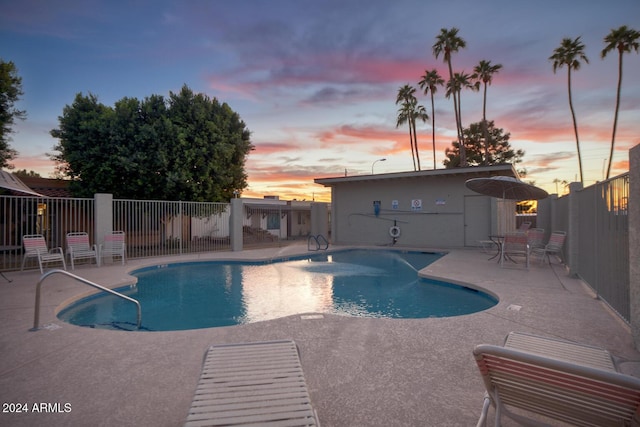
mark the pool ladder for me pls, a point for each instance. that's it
(320, 243)
(36, 315)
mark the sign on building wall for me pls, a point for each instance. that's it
(416, 204)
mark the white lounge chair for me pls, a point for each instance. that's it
(114, 245)
(553, 247)
(78, 247)
(554, 388)
(252, 383)
(535, 238)
(36, 247)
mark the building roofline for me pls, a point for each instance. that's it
(506, 169)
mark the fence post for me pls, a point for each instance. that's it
(634, 242)
(235, 224)
(573, 232)
(103, 216)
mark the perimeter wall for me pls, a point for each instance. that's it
(602, 247)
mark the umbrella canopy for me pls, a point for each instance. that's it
(506, 187)
(12, 182)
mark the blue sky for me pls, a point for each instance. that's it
(316, 81)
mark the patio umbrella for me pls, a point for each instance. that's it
(12, 182)
(506, 187)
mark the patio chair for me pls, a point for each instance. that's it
(78, 247)
(535, 237)
(257, 383)
(524, 226)
(514, 244)
(553, 247)
(36, 247)
(553, 388)
(114, 245)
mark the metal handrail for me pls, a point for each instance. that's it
(319, 245)
(36, 316)
(322, 241)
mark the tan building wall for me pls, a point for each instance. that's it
(431, 208)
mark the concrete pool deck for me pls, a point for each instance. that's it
(360, 372)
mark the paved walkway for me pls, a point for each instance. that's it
(360, 372)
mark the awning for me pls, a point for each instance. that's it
(12, 182)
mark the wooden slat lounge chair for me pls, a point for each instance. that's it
(258, 383)
(114, 245)
(572, 383)
(36, 247)
(78, 247)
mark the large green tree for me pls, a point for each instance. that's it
(499, 148)
(570, 53)
(187, 147)
(429, 84)
(447, 43)
(623, 40)
(10, 93)
(483, 73)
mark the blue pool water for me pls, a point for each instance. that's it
(195, 295)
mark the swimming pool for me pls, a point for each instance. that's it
(193, 295)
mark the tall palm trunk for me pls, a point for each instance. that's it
(413, 155)
(463, 152)
(575, 126)
(415, 141)
(463, 148)
(485, 132)
(615, 116)
(433, 130)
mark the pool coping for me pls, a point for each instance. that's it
(157, 267)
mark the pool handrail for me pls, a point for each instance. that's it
(36, 315)
(320, 240)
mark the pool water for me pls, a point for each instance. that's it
(366, 283)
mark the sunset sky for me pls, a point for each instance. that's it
(316, 81)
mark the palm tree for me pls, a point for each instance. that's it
(409, 113)
(483, 73)
(455, 86)
(429, 83)
(406, 112)
(570, 53)
(419, 112)
(623, 39)
(448, 42)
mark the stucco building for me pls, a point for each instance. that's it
(430, 208)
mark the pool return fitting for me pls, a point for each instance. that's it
(36, 315)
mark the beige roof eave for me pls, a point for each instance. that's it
(471, 172)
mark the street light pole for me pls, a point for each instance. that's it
(372, 164)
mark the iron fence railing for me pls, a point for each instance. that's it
(159, 228)
(152, 228)
(601, 256)
(51, 217)
(603, 259)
